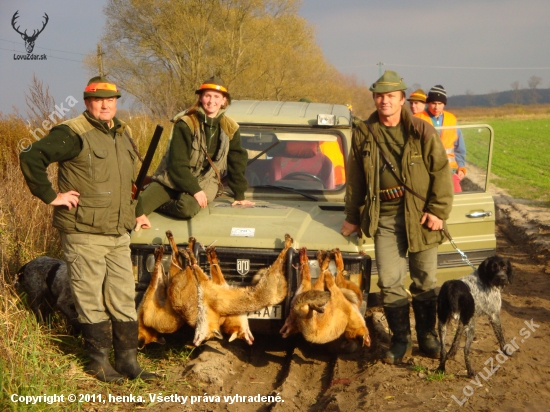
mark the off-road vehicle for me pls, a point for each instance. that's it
(296, 175)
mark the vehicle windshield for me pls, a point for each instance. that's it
(294, 159)
(474, 156)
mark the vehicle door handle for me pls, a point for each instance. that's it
(479, 214)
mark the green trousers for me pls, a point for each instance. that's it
(174, 203)
(101, 277)
(391, 246)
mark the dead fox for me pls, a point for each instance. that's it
(155, 312)
(236, 326)
(322, 312)
(342, 282)
(216, 300)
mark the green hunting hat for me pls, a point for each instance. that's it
(214, 83)
(389, 82)
(99, 86)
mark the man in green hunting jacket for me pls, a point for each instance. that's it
(379, 206)
(94, 213)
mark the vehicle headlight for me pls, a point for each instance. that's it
(326, 119)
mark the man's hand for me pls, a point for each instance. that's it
(460, 174)
(348, 229)
(432, 221)
(69, 199)
(201, 199)
(243, 202)
(142, 222)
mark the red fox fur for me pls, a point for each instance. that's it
(216, 301)
(155, 312)
(322, 313)
(342, 282)
(236, 326)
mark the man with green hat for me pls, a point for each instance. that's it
(204, 144)
(94, 213)
(399, 192)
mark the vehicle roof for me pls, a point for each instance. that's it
(285, 113)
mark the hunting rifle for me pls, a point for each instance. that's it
(140, 181)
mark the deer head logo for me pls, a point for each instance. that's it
(29, 40)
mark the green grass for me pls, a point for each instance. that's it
(521, 157)
(430, 376)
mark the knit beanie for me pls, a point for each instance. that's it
(418, 96)
(437, 94)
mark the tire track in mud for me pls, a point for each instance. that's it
(308, 377)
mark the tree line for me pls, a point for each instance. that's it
(160, 51)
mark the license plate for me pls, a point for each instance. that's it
(269, 312)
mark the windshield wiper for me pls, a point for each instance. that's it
(289, 189)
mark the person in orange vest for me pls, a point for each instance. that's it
(417, 101)
(452, 138)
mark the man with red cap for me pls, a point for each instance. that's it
(94, 213)
(204, 144)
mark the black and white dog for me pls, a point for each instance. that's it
(46, 284)
(469, 297)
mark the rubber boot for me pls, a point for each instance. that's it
(424, 314)
(400, 326)
(125, 342)
(98, 342)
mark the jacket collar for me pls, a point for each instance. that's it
(100, 124)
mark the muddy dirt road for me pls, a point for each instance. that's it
(304, 377)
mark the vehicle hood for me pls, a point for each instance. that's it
(262, 226)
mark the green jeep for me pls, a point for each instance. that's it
(296, 175)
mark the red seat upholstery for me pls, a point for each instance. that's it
(303, 157)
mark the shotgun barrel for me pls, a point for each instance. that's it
(148, 159)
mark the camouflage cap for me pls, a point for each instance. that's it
(99, 86)
(214, 83)
(389, 82)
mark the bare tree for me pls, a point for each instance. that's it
(492, 98)
(533, 83)
(39, 102)
(516, 94)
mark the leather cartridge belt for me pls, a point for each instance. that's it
(392, 193)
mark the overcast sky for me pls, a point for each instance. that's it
(468, 45)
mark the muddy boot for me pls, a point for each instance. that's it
(424, 315)
(125, 343)
(400, 326)
(98, 342)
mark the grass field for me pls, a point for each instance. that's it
(521, 156)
